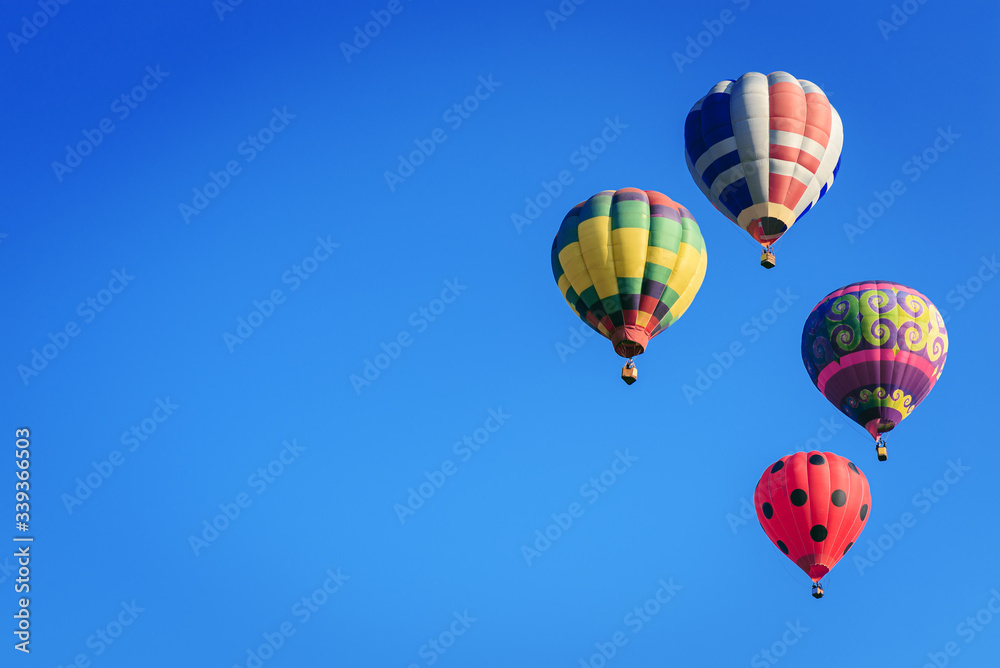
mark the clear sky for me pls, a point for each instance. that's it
(218, 219)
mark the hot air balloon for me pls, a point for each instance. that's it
(875, 349)
(629, 262)
(764, 149)
(813, 506)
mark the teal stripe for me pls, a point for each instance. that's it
(664, 233)
(630, 213)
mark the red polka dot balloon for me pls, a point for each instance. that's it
(813, 505)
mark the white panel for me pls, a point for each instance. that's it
(750, 110)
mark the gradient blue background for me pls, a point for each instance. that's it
(676, 512)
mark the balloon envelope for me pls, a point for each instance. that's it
(764, 149)
(629, 263)
(875, 349)
(813, 506)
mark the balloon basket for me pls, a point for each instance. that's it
(880, 450)
(767, 259)
(817, 590)
(629, 373)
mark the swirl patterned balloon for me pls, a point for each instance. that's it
(875, 349)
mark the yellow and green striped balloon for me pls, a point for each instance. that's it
(629, 263)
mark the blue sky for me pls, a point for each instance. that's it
(217, 254)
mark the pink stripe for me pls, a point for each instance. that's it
(872, 285)
(808, 161)
(873, 355)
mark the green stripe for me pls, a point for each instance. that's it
(658, 273)
(612, 304)
(629, 286)
(664, 233)
(630, 213)
(692, 234)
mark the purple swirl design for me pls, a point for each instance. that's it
(911, 335)
(911, 304)
(822, 351)
(839, 309)
(883, 332)
(844, 339)
(937, 352)
(882, 301)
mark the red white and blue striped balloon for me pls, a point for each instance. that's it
(764, 149)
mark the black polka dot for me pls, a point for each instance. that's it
(817, 459)
(768, 510)
(799, 497)
(864, 512)
(778, 465)
(848, 547)
(839, 498)
(782, 547)
(854, 468)
(818, 533)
